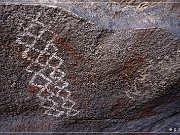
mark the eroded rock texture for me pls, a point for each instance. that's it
(126, 80)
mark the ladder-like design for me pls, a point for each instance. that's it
(45, 66)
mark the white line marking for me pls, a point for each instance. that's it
(55, 78)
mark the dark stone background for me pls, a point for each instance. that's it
(101, 65)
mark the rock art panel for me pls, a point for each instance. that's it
(45, 66)
(121, 81)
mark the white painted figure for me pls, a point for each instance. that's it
(47, 76)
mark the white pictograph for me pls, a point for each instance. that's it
(134, 93)
(45, 66)
(167, 65)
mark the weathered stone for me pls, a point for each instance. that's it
(118, 79)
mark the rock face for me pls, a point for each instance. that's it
(128, 14)
(100, 80)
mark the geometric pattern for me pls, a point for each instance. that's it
(45, 66)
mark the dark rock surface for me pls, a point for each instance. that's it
(126, 80)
